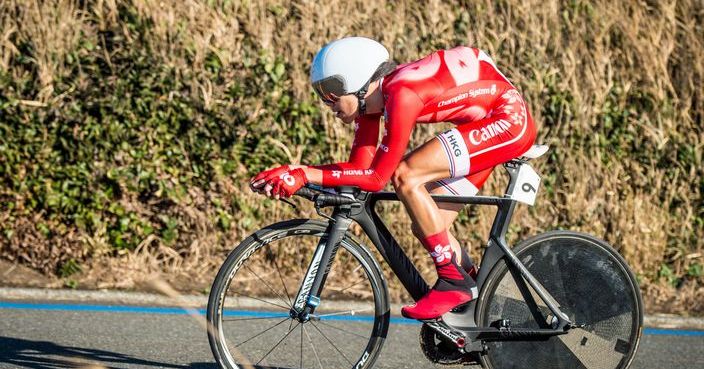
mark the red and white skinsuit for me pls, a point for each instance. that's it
(462, 86)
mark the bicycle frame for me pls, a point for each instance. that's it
(364, 213)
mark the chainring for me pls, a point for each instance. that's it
(440, 351)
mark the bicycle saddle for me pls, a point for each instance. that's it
(535, 151)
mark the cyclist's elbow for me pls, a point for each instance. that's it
(374, 184)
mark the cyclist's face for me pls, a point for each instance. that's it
(344, 107)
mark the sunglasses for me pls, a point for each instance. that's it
(330, 89)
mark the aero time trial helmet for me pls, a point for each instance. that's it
(347, 66)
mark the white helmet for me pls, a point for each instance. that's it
(346, 66)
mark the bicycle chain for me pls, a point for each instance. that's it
(443, 352)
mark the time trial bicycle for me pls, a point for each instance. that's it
(560, 299)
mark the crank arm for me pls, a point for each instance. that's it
(448, 333)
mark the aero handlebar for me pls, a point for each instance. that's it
(324, 199)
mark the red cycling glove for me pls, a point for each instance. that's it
(288, 183)
(267, 175)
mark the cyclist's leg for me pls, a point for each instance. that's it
(448, 212)
(468, 185)
(469, 150)
(454, 285)
(409, 177)
(506, 134)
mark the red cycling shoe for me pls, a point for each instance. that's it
(442, 298)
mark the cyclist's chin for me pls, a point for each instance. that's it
(347, 118)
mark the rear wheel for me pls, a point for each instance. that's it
(592, 285)
(251, 298)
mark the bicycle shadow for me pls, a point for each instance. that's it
(49, 355)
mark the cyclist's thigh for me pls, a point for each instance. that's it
(432, 163)
(426, 163)
(468, 185)
(448, 210)
(435, 161)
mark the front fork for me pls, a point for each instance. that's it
(308, 296)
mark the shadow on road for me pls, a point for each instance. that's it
(49, 355)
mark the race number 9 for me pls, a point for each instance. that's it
(526, 188)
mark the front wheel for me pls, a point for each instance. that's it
(250, 305)
(591, 283)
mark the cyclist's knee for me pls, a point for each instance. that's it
(403, 179)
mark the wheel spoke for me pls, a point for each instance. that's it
(352, 285)
(344, 330)
(253, 318)
(358, 267)
(260, 333)
(331, 344)
(258, 299)
(315, 352)
(346, 312)
(277, 344)
(290, 303)
(267, 285)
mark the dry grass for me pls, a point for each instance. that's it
(55, 27)
(580, 65)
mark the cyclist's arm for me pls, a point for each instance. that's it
(402, 109)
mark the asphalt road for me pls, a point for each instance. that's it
(33, 337)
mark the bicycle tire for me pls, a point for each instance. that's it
(591, 283)
(281, 231)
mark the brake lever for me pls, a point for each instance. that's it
(288, 202)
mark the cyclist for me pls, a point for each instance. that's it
(356, 79)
